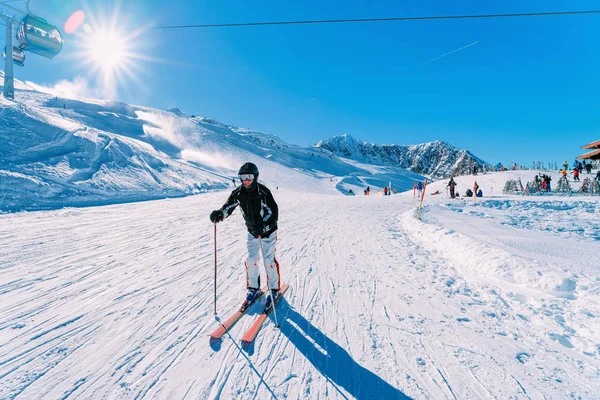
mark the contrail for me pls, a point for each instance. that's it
(447, 54)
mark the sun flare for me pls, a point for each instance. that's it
(109, 52)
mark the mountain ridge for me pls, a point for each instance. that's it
(437, 159)
(86, 152)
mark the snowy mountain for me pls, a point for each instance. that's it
(435, 159)
(74, 152)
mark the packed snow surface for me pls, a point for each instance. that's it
(498, 298)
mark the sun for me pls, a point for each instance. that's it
(108, 51)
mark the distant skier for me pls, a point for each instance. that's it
(576, 174)
(597, 178)
(451, 185)
(233, 180)
(419, 188)
(548, 179)
(350, 192)
(260, 213)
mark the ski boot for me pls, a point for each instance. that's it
(251, 296)
(272, 298)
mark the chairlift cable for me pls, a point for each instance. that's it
(332, 21)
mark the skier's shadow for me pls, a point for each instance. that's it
(333, 361)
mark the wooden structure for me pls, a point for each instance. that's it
(592, 155)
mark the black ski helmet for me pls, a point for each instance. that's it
(249, 168)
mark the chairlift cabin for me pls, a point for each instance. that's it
(36, 35)
(18, 56)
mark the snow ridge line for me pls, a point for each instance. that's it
(480, 260)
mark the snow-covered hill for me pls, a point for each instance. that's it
(436, 159)
(59, 152)
(494, 299)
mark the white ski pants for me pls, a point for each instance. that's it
(253, 266)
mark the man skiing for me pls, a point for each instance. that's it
(451, 185)
(260, 213)
(419, 188)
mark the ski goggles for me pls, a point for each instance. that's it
(246, 177)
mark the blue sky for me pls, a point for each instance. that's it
(527, 90)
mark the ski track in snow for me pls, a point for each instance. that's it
(117, 302)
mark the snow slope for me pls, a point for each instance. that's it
(470, 302)
(59, 152)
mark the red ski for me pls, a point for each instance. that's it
(251, 333)
(225, 326)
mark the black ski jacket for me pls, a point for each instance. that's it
(258, 207)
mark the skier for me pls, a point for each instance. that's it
(575, 174)
(350, 193)
(548, 180)
(233, 180)
(260, 213)
(419, 188)
(451, 185)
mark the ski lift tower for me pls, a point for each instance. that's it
(34, 35)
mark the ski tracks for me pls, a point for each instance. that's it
(497, 336)
(117, 302)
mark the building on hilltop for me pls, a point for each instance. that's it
(592, 155)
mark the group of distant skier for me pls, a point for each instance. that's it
(542, 182)
(468, 193)
(578, 168)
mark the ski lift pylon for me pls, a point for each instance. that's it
(36, 35)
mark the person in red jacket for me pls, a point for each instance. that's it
(576, 174)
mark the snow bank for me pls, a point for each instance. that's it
(482, 261)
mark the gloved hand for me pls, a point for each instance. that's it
(257, 230)
(216, 216)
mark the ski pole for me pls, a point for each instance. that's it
(268, 283)
(215, 269)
